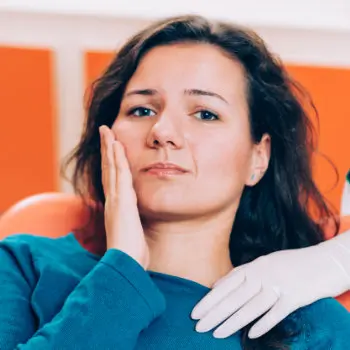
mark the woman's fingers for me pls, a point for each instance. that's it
(108, 164)
(229, 305)
(276, 314)
(123, 225)
(122, 164)
(253, 309)
(103, 158)
(218, 294)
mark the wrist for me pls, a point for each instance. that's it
(142, 260)
(337, 261)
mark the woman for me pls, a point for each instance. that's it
(204, 165)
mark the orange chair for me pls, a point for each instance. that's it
(56, 214)
(47, 214)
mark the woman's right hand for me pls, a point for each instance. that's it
(123, 226)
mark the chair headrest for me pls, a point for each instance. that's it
(47, 214)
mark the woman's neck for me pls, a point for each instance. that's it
(195, 251)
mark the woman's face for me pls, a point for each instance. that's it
(186, 105)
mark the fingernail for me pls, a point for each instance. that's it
(201, 327)
(195, 314)
(252, 334)
(199, 311)
(219, 335)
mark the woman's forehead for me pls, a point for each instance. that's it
(188, 67)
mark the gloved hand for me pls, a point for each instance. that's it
(279, 283)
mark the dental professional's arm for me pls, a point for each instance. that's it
(274, 286)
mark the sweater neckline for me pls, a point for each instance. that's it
(155, 275)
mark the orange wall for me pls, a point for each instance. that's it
(94, 64)
(329, 88)
(28, 161)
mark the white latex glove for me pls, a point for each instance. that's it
(279, 283)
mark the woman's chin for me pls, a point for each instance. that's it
(161, 210)
(160, 199)
(171, 211)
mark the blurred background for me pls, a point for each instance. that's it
(50, 52)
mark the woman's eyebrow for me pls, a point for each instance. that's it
(199, 92)
(143, 92)
(196, 92)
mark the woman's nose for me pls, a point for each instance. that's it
(165, 133)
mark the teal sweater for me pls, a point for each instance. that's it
(56, 295)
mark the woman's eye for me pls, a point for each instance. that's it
(142, 112)
(206, 115)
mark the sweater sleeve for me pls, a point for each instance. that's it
(108, 309)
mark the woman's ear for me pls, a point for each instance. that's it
(260, 160)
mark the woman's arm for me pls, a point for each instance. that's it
(114, 302)
(108, 308)
(279, 283)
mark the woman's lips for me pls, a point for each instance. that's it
(165, 172)
(165, 169)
